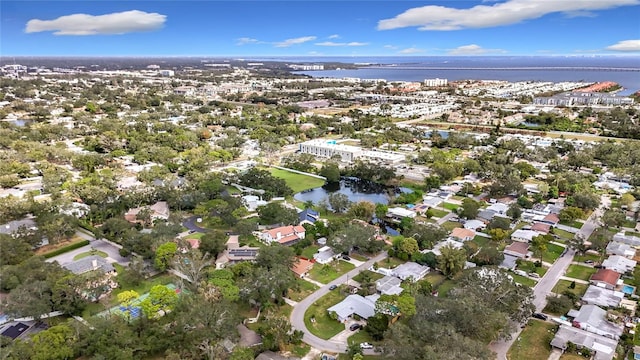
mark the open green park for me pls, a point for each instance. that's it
(297, 182)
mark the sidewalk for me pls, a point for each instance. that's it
(313, 281)
(578, 281)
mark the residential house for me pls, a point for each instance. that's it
(594, 319)
(234, 254)
(324, 255)
(446, 242)
(603, 347)
(596, 295)
(541, 227)
(474, 225)
(270, 355)
(524, 235)
(617, 248)
(619, 264)
(16, 226)
(627, 239)
(301, 267)
(90, 263)
(399, 213)
(605, 278)
(462, 234)
(410, 270)
(363, 306)
(308, 216)
(389, 285)
(498, 208)
(252, 202)
(158, 211)
(518, 249)
(15, 329)
(285, 235)
(551, 219)
(486, 215)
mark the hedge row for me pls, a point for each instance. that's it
(65, 249)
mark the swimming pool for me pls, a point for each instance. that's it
(628, 289)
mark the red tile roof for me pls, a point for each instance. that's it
(607, 276)
(518, 247)
(462, 233)
(552, 218)
(302, 266)
(544, 228)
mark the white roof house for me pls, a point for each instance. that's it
(389, 285)
(474, 224)
(596, 295)
(365, 307)
(618, 248)
(619, 264)
(524, 235)
(324, 255)
(398, 212)
(604, 348)
(593, 319)
(410, 270)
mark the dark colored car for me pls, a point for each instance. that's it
(355, 327)
(333, 287)
(540, 316)
(346, 257)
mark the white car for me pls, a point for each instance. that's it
(366, 346)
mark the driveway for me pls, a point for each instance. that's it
(112, 251)
(297, 315)
(191, 224)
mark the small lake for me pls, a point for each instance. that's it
(530, 124)
(355, 189)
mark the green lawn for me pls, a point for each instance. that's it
(580, 272)
(359, 257)
(373, 275)
(390, 262)
(563, 234)
(249, 240)
(585, 257)
(481, 241)
(632, 233)
(194, 236)
(530, 267)
(563, 285)
(445, 286)
(330, 272)
(438, 213)
(434, 278)
(450, 206)
(360, 337)
(308, 252)
(534, 342)
(301, 290)
(523, 280)
(322, 325)
(450, 225)
(576, 224)
(553, 252)
(297, 182)
(90, 253)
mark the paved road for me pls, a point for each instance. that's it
(297, 315)
(548, 281)
(112, 251)
(190, 223)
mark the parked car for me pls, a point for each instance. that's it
(355, 327)
(588, 262)
(346, 257)
(333, 287)
(366, 346)
(520, 272)
(534, 275)
(540, 316)
(598, 266)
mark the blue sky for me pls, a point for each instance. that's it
(331, 28)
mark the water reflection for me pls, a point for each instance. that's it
(355, 189)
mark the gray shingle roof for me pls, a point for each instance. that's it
(89, 263)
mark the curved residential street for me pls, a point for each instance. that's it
(297, 315)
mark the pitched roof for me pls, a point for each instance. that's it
(551, 218)
(285, 230)
(518, 247)
(605, 275)
(462, 233)
(301, 266)
(541, 227)
(89, 263)
(308, 215)
(354, 304)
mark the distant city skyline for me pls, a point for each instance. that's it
(319, 28)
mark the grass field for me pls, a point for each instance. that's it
(445, 286)
(553, 252)
(90, 253)
(575, 224)
(322, 325)
(524, 280)
(373, 275)
(390, 262)
(580, 272)
(297, 182)
(533, 342)
(434, 278)
(563, 285)
(330, 272)
(438, 213)
(450, 225)
(563, 234)
(301, 290)
(450, 206)
(308, 252)
(481, 241)
(530, 267)
(592, 257)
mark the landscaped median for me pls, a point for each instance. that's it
(317, 319)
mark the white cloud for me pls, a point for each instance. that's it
(392, 47)
(411, 50)
(473, 49)
(294, 41)
(331, 43)
(433, 17)
(625, 45)
(334, 36)
(107, 24)
(247, 40)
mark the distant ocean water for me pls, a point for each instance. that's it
(624, 70)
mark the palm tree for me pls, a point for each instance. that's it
(451, 261)
(308, 204)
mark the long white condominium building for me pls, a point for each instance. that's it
(435, 82)
(329, 148)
